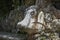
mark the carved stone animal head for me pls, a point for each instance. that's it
(32, 20)
(36, 20)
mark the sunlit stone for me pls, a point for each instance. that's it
(40, 20)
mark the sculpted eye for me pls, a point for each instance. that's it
(32, 13)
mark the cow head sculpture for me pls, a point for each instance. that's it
(32, 20)
(36, 20)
